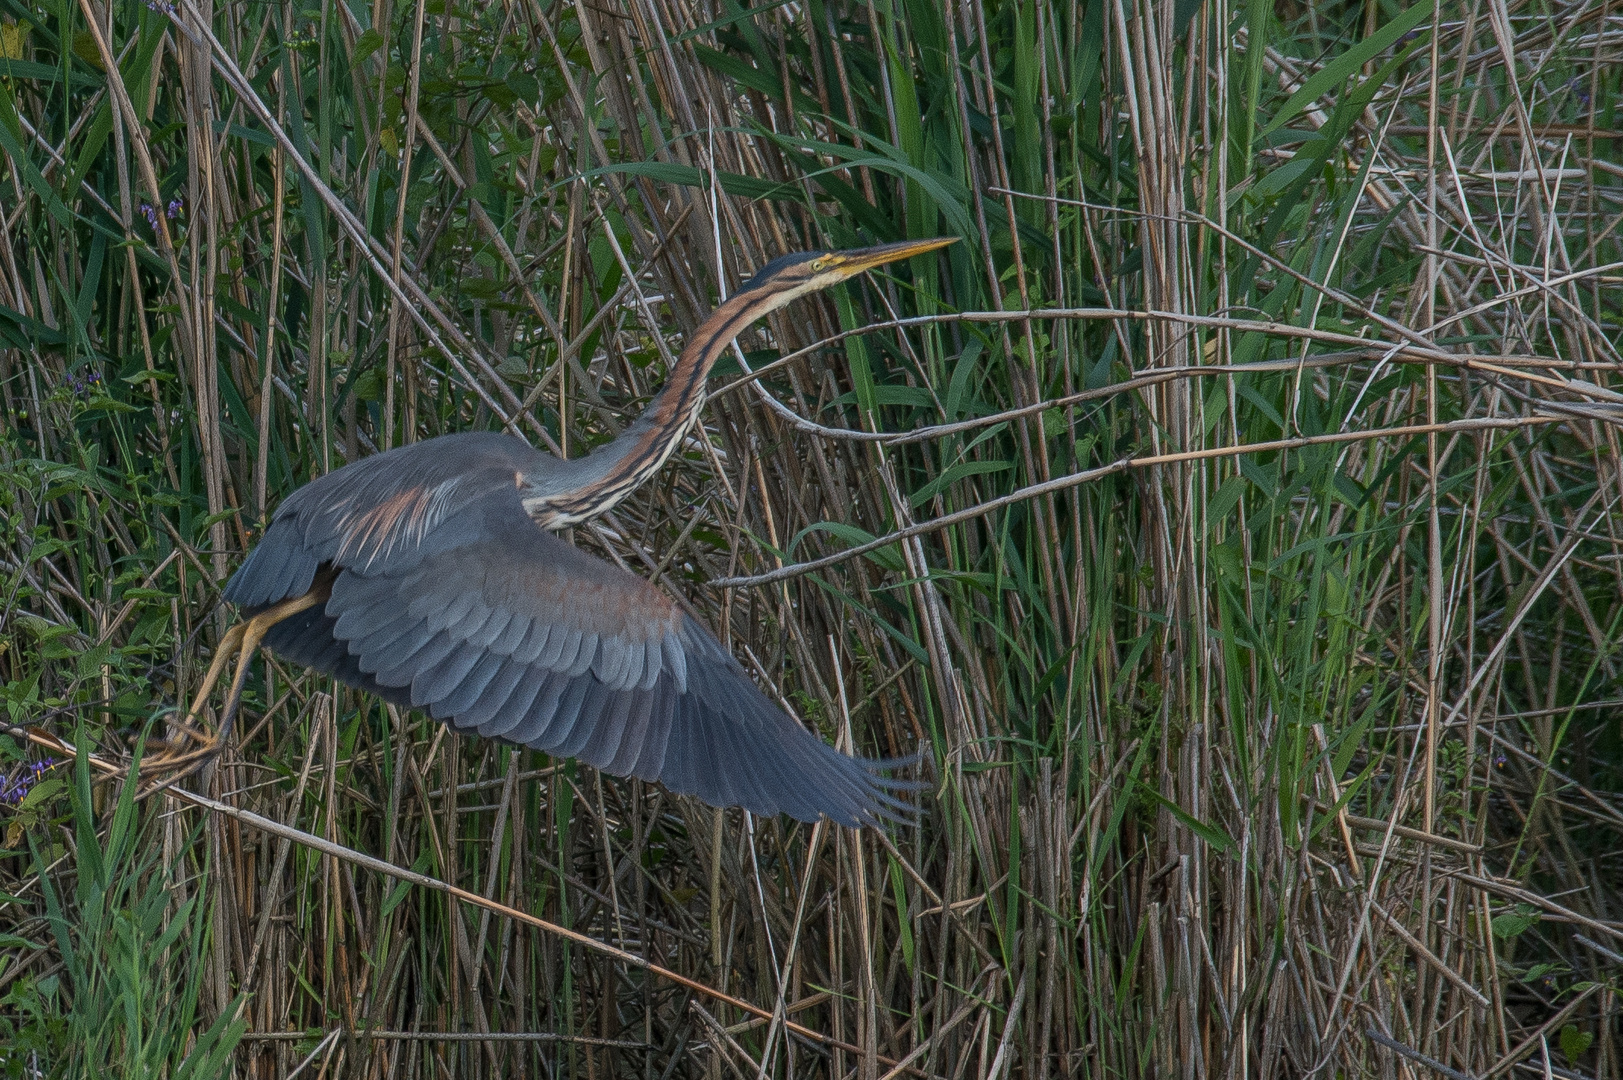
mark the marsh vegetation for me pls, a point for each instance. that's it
(1233, 517)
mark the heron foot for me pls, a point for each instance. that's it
(195, 746)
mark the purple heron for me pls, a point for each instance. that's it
(429, 576)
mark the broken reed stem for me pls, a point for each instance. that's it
(1072, 480)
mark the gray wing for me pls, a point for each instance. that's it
(382, 514)
(488, 623)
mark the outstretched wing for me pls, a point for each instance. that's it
(495, 626)
(382, 514)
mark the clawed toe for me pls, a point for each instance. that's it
(188, 747)
(184, 751)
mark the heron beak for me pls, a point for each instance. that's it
(851, 263)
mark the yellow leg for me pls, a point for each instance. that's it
(253, 633)
(228, 646)
(242, 641)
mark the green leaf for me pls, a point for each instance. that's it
(14, 39)
(206, 523)
(887, 557)
(368, 384)
(1282, 177)
(1511, 923)
(480, 288)
(905, 922)
(1342, 67)
(958, 388)
(1214, 836)
(954, 473)
(1575, 1042)
(747, 187)
(247, 134)
(29, 330)
(856, 353)
(36, 72)
(1226, 499)
(86, 49)
(742, 15)
(891, 394)
(367, 44)
(949, 195)
(45, 789)
(392, 901)
(91, 660)
(738, 71)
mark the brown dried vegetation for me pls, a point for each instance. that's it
(1240, 502)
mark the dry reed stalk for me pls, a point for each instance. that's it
(1233, 517)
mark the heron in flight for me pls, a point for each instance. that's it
(429, 575)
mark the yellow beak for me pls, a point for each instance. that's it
(851, 263)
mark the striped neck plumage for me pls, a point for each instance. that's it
(613, 471)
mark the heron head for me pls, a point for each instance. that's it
(789, 276)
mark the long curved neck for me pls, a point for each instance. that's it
(612, 471)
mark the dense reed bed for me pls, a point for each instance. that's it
(1232, 517)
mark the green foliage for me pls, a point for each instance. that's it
(1164, 700)
(125, 995)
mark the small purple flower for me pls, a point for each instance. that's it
(176, 205)
(1580, 89)
(13, 790)
(150, 214)
(1500, 761)
(163, 7)
(82, 387)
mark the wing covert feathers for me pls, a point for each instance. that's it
(449, 599)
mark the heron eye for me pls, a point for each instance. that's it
(819, 265)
